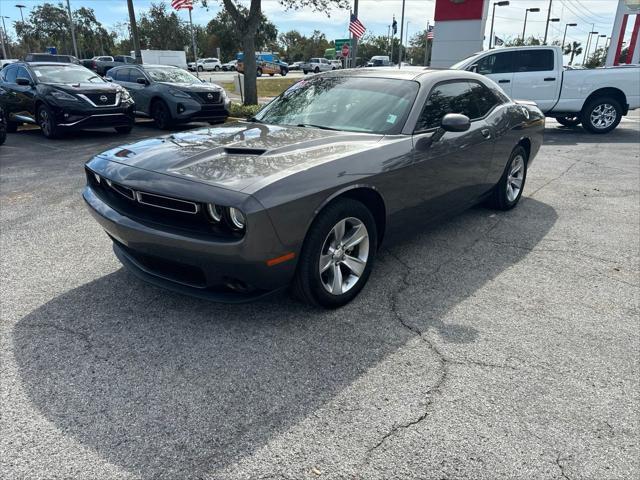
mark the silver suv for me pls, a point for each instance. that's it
(316, 65)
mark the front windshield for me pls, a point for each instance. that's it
(171, 75)
(356, 104)
(65, 74)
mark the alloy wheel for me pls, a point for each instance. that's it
(344, 256)
(44, 122)
(515, 178)
(603, 115)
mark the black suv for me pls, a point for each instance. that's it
(62, 96)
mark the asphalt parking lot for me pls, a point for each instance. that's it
(492, 346)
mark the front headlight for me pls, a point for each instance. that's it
(124, 95)
(179, 94)
(237, 218)
(60, 95)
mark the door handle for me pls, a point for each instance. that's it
(486, 133)
(504, 81)
(550, 79)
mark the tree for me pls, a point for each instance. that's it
(162, 29)
(247, 23)
(222, 33)
(574, 49)
(596, 59)
(518, 42)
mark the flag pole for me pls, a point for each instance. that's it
(193, 41)
(401, 36)
(426, 44)
(355, 38)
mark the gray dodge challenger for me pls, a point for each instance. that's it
(304, 193)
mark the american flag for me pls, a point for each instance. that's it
(180, 4)
(430, 33)
(356, 27)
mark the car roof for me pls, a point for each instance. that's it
(419, 74)
(49, 64)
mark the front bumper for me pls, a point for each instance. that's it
(222, 270)
(78, 118)
(187, 109)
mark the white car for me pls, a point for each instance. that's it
(206, 64)
(335, 64)
(597, 98)
(230, 66)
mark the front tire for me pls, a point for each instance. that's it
(337, 256)
(47, 122)
(161, 115)
(317, 70)
(305, 72)
(507, 192)
(259, 72)
(201, 68)
(569, 120)
(601, 115)
(283, 72)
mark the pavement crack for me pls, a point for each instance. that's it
(559, 460)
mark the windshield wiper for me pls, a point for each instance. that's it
(322, 127)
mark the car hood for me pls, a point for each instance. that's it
(193, 87)
(238, 155)
(85, 87)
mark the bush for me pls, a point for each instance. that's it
(243, 111)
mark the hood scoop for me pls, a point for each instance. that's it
(244, 151)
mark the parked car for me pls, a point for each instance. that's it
(335, 64)
(3, 127)
(597, 98)
(230, 66)
(266, 63)
(62, 96)
(101, 65)
(316, 65)
(49, 57)
(7, 61)
(171, 95)
(296, 66)
(306, 192)
(206, 64)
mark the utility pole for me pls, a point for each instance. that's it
(546, 26)
(73, 30)
(134, 32)
(401, 37)
(4, 50)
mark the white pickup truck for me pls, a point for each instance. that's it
(597, 98)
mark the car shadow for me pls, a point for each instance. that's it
(561, 135)
(168, 386)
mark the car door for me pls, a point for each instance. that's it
(535, 77)
(454, 168)
(499, 67)
(8, 96)
(128, 78)
(26, 95)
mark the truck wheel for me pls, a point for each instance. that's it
(317, 70)
(601, 115)
(259, 72)
(337, 255)
(569, 120)
(283, 72)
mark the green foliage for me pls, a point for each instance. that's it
(160, 28)
(243, 111)
(297, 47)
(596, 59)
(574, 49)
(518, 42)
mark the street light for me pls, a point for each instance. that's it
(564, 38)
(493, 17)
(598, 40)
(526, 13)
(586, 53)
(73, 30)
(22, 17)
(4, 35)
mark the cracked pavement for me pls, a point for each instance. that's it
(491, 346)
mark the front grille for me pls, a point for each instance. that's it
(99, 98)
(159, 211)
(208, 97)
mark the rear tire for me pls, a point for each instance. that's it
(305, 71)
(217, 68)
(283, 72)
(201, 68)
(507, 193)
(47, 122)
(317, 70)
(569, 121)
(347, 255)
(601, 115)
(161, 115)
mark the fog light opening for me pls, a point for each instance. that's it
(236, 285)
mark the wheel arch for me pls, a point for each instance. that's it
(525, 143)
(614, 92)
(369, 196)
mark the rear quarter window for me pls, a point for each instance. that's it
(534, 60)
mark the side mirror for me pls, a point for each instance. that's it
(25, 82)
(108, 79)
(142, 81)
(455, 122)
(473, 68)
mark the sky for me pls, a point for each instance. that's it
(376, 15)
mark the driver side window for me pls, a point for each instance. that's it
(496, 63)
(450, 97)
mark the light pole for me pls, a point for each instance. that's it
(2, 35)
(586, 52)
(546, 27)
(564, 38)
(4, 29)
(526, 13)
(595, 50)
(401, 37)
(493, 17)
(73, 30)
(22, 17)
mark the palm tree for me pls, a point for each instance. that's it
(574, 49)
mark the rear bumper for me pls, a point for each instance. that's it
(211, 268)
